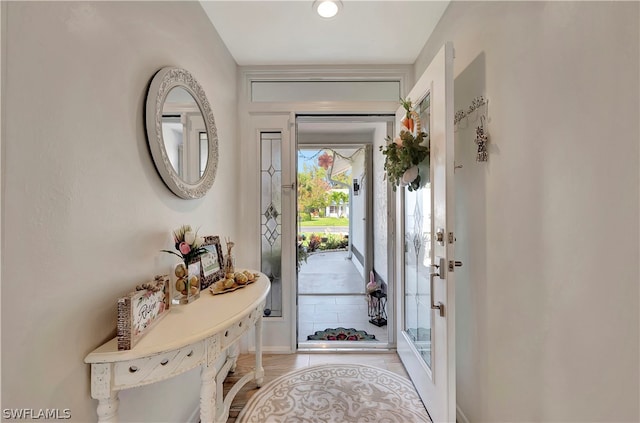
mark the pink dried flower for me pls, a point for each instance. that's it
(325, 161)
(184, 248)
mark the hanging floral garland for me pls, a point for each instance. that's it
(406, 151)
(325, 160)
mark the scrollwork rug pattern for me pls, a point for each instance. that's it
(337, 393)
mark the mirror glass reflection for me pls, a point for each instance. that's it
(185, 135)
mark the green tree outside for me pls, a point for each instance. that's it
(314, 190)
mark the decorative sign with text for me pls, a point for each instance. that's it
(140, 310)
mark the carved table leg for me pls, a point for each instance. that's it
(108, 408)
(233, 356)
(259, 368)
(207, 393)
(101, 390)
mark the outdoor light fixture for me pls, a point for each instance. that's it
(327, 8)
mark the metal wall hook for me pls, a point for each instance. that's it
(475, 104)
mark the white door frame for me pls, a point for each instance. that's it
(275, 330)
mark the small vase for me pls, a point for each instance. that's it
(185, 283)
(229, 264)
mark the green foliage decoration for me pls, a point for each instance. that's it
(403, 153)
(408, 106)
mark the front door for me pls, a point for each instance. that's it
(426, 303)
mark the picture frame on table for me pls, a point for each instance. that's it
(211, 263)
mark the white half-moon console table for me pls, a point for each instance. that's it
(191, 335)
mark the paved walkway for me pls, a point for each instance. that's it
(324, 229)
(329, 273)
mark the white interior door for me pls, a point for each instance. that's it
(426, 333)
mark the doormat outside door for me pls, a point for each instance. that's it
(341, 334)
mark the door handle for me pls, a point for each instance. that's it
(290, 186)
(435, 306)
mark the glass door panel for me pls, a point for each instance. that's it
(417, 258)
(271, 218)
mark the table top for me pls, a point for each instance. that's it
(189, 323)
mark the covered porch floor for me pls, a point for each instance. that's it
(331, 293)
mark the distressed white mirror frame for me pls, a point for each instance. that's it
(164, 81)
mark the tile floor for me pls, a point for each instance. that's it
(319, 312)
(331, 294)
(329, 273)
(276, 365)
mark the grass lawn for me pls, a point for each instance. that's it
(327, 221)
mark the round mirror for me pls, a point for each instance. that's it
(181, 133)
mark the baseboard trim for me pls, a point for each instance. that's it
(460, 417)
(273, 350)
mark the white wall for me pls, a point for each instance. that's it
(84, 211)
(3, 15)
(358, 211)
(547, 300)
(380, 206)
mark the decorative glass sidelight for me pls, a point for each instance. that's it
(417, 260)
(271, 218)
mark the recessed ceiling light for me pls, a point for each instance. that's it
(327, 8)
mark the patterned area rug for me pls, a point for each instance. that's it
(336, 393)
(341, 334)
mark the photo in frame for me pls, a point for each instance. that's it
(211, 263)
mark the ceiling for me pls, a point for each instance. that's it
(290, 33)
(335, 131)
